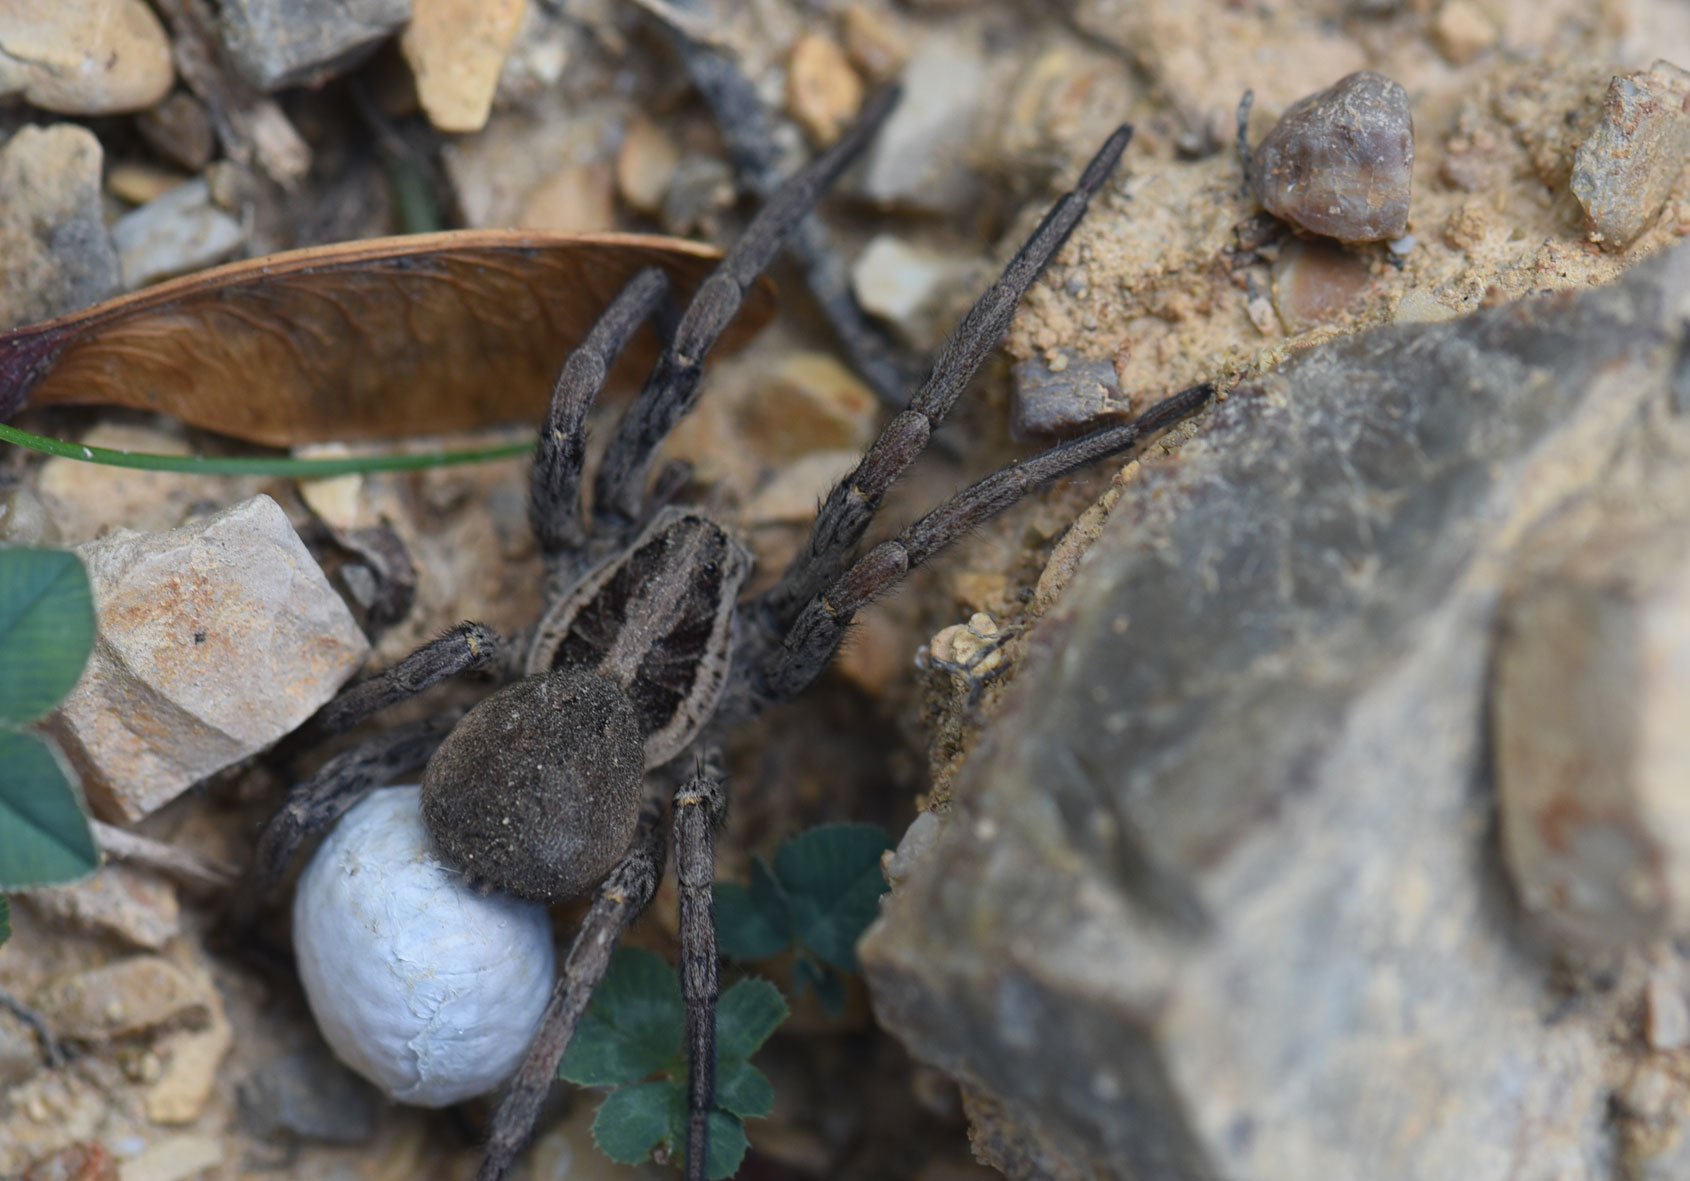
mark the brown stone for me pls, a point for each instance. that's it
(456, 48)
(125, 903)
(120, 999)
(645, 164)
(1626, 168)
(84, 57)
(823, 92)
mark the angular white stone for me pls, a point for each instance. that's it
(215, 639)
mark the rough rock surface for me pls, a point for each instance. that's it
(84, 57)
(279, 43)
(1627, 166)
(52, 232)
(215, 639)
(1219, 895)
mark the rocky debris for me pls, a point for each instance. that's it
(140, 994)
(179, 130)
(84, 57)
(189, 1062)
(793, 491)
(823, 92)
(308, 1094)
(52, 230)
(876, 47)
(126, 904)
(1315, 282)
(1666, 1004)
(180, 231)
(277, 43)
(1339, 162)
(1065, 395)
(456, 49)
(700, 188)
(92, 1161)
(20, 1050)
(1592, 685)
(807, 402)
(176, 1158)
(83, 500)
(645, 164)
(1628, 165)
(919, 161)
(215, 639)
(1463, 31)
(901, 283)
(576, 199)
(1255, 927)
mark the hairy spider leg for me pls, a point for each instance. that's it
(699, 806)
(748, 130)
(463, 647)
(852, 503)
(554, 481)
(316, 803)
(672, 387)
(619, 899)
(815, 636)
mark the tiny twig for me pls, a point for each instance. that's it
(1246, 161)
(50, 1048)
(188, 868)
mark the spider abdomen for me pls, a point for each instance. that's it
(537, 790)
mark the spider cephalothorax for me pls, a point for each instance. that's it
(549, 787)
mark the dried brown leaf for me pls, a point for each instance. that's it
(425, 334)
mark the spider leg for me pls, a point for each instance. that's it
(316, 803)
(466, 646)
(846, 513)
(554, 492)
(699, 806)
(620, 898)
(671, 389)
(755, 149)
(813, 639)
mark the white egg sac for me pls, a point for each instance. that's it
(430, 991)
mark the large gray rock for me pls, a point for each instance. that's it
(1220, 894)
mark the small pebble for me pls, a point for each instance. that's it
(178, 232)
(1315, 282)
(175, 1159)
(58, 254)
(897, 281)
(278, 43)
(645, 164)
(823, 92)
(577, 199)
(807, 402)
(84, 57)
(700, 188)
(123, 998)
(179, 130)
(1065, 395)
(1625, 170)
(126, 904)
(875, 47)
(920, 159)
(139, 183)
(456, 49)
(1339, 162)
(308, 1094)
(1463, 31)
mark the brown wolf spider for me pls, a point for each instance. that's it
(646, 653)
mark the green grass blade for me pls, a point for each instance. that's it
(253, 465)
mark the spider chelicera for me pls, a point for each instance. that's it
(553, 785)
